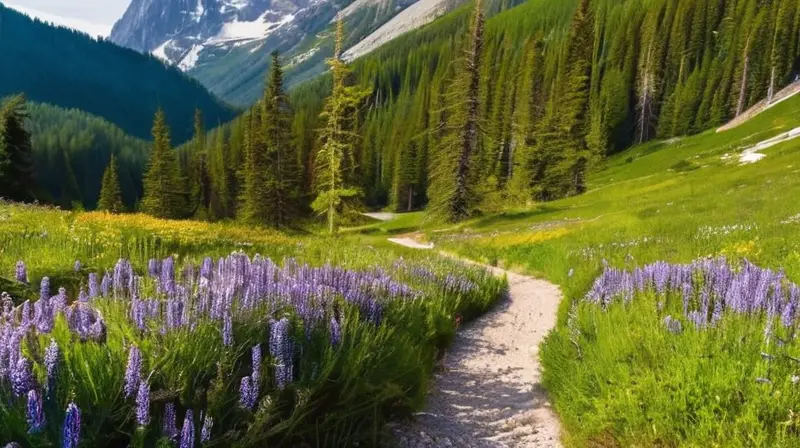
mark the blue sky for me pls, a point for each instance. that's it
(95, 17)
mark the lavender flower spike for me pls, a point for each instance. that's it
(143, 404)
(22, 272)
(35, 412)
(205, 432)
(169, 428)
(133, 371)
(187, 432)
(72, 427)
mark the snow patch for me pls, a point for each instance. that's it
(199, 11)
(161, 51)
(190, 60)
(248, 31)
(753, 154)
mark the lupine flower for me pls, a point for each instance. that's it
(51, 363)
(35, 412)
(187, 431)
(247, 396)
(336, 332)
(256, 356)
(143, 404)
(21, 273)
(72, 427)
(133, 371)
(21, 377)
(169, 428)
(280, 347)
(153, 268)
(105, 284)
(94, 290)
(205, 432)
(227, 331)
(77, 266)
(44, 289)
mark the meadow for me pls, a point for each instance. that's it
(620, 370)
(128, 330)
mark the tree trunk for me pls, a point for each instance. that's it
(743, 88)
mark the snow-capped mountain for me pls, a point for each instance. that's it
(225, 44)
(178, 31)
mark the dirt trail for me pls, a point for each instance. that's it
(488, 393)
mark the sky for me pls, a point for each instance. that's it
(95, 17)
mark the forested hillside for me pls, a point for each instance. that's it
(69, 69)
(71, 149)
(561, 85)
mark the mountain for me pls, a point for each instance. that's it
(226, 43)
(70, 69)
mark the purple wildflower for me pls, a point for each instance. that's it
(169, 428)
(72, 427)
(51, 363)
(227, 331)
(205, 432)
(133, 371)
(94, 290)
(143, 404)
(336, 332)
(21, 273)
(77, 266)
(187, 431)
(44, 289)
(247, 395)
(153, 268)
(105, 284)
(280, 347)
(21, 377)
(35, 412)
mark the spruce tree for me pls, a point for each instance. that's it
(453, 192)
(338, 138)
(16, 159)
(110, 193)
(254, 204)
(163, 192)
(283, 173)
(219, 203)
(199, 182)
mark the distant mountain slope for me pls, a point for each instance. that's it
(71, 150)
(226, 43)
(64, 67)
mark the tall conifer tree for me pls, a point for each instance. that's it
(110, 193)
(16, 158)
(163, 192)
(453, 192)
(338, 137)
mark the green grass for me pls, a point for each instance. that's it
(340, 394)
(676, 201)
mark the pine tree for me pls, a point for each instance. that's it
(199, 182)
(337, 138)
(454, 182)
(110, 192)
(16, 159)
(254, 204)
(219, 203)
(282, 185)
(163, 192)
(574, 104)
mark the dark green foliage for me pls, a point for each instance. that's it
(71, 150)
(455, 166)
(163, 189)
(66, 68)
(16, 159)
(110, 194)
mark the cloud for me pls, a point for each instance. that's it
(93, 29)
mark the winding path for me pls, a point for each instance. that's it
(488, 392)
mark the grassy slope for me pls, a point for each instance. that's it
(675, 201)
